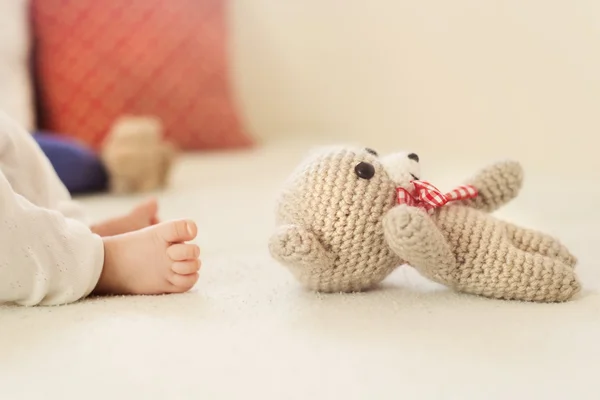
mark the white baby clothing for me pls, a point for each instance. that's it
(48, 254)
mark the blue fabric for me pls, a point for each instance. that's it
(77, 166)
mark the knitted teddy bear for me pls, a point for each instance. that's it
(136, 156)
(347, 218)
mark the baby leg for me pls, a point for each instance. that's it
(537, 242)
(49, 259)
(32, 176)
(30, 173)
(45, 258)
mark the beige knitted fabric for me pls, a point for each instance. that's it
(329, 223)
(330, 231)
(472, 252)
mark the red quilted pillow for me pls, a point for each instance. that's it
(99, 59)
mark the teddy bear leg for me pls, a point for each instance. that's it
(515, 274)
(120, 186)
(537, 242)
(150, 182)
(168, 156)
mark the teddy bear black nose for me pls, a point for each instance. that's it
(413, 156)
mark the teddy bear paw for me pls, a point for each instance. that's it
(291, 244)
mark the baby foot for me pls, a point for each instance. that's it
(142, 216)
(153, 260)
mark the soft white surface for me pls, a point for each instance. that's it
(248, 331)
(15, 80)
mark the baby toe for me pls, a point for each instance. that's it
(186, 267)
(182, 252)
(183, 283)
(177, 231)
(146, 210)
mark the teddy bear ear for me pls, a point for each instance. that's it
(335, 148)
(313, 154)
(324, 149)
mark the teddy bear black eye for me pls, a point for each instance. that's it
(364, 170)
(368, 150)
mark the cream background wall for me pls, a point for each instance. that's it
(497, 78)
(16, 97)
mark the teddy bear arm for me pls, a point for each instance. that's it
(416, 239)
(295, 246)
(497, 185)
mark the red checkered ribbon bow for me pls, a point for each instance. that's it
(429, 198)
